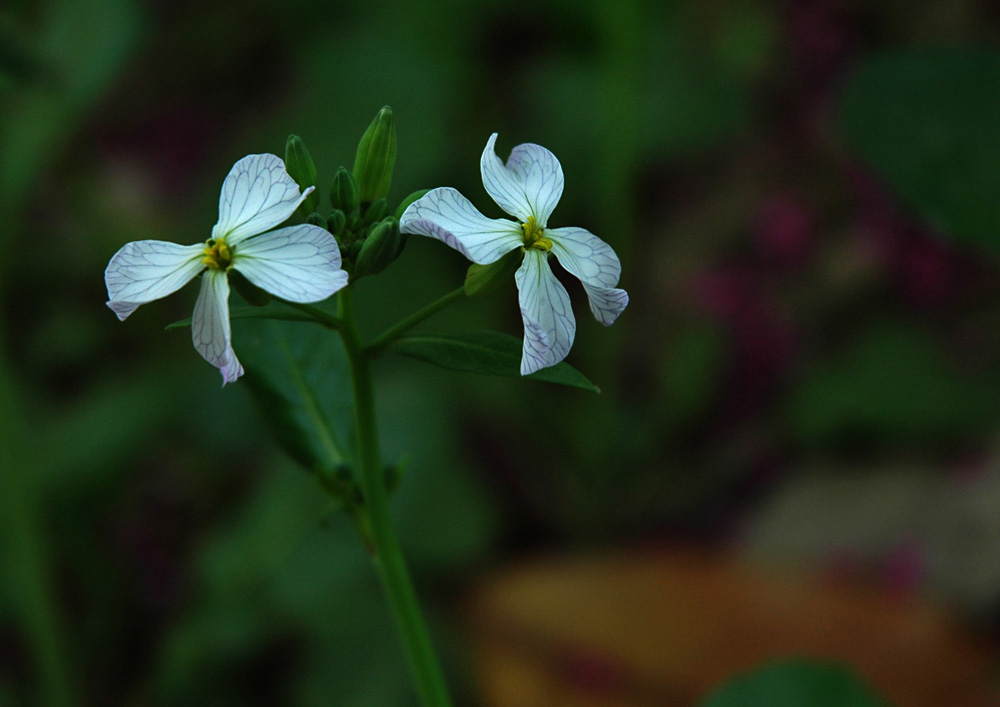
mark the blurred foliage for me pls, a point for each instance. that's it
(795, 683)
(927, 119)
(784, 194)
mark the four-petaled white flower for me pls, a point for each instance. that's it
(297, 263)
(528, 187)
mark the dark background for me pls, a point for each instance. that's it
(807, 371)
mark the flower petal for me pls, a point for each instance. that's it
(143, 271)
(299, 263)
(210, 329)
(549, 325)
(257, 195)
(542, 177)
(531, 183)
(596, 265)
(445, 214)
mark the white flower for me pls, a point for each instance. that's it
(298, 263)
(528, 187)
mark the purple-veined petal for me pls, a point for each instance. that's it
(143, 271)
(445, 214)
(530, 185)
(257, 195)
(502, 184)
(210, 329)
(541, 176)
(298, 263)
(596, 265)
(549, 325)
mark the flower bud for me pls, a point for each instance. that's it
(483, 279)
(344, 191)
(354, 223)
(248, 291)
(300, 167)
(379, 248)
(316, 219)
(336, 221)
(376, 157)
(354, 250)
(376, 212)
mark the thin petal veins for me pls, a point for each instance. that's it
(298, 263)
(448, 216)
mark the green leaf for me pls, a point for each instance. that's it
(926, 121)
(488, 352)
(795, 683)
(300, 380)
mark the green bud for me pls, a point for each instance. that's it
(379, 248)
(409, 200)
(336, 221)
(354, 223)
(250, 292)
(344, 191)
(316, 219)
(355, 248)
(300, 167)
(376, 157)
(376, 212)
(483, 279)
(402, 244)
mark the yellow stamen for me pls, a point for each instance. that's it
(533, 236)
(217, 255)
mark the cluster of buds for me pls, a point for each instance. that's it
(368, 235)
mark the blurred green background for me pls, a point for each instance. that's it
(805, 196)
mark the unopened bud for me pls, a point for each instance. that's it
(316, 219)
(376, 212)
(379, 248)
(300, 167)
(483, 279)
(344, 191)
(376, 157)
(336, 221)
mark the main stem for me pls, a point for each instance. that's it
(385, 551)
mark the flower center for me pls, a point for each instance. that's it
(217, 254)
(533, 236)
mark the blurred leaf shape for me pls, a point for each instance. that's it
(795, 683)
(489, 352)
(86, 45)
(893, 381)
(926, 120)
(299, 378)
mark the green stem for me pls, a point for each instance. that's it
(378, 346)
(320, 315)
(386, 551)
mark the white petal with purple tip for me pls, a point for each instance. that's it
(549, 325)
(143, 271)
(445, 214)
(257, 195)
(210, 329)
(298, 263)
(540, 176)
(596, 265)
